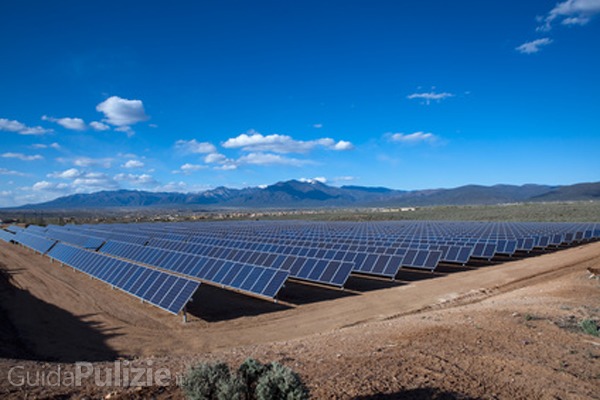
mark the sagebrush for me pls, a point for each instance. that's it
(252, 381)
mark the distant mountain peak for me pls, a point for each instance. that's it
(314, 193)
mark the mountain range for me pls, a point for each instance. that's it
(305, 194)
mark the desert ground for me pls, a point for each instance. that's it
(503, 331)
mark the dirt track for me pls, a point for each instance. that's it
(507, 330)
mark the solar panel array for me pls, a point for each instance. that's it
(258, 257)
(169, 292)
(311, 250)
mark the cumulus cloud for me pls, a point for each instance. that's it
(92, 181)
(534, 46)
(99, 126)
(256, 142)
(270, 159)
(49, 186)
(343, 145)
(570, 12)
(133, 164)
(173, 187)
(215, 158)
(188, 168)
(54, 146)
(71, 173)
(91, 162)
(21, 128)
(76, 124)
(143, 179)
(428, 97)
(23, 157)
(416, 137)
(318, 179)
(195, 147)
(122, 113)
(4, 171)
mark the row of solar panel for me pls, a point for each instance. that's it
(6, 235)
(269, 282)
(85, 241)
(15, 229)
(169, 292)
(330, 272)
(253, 279)
(37, 243)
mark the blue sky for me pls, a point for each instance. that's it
(187, 96)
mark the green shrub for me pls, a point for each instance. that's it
(590, 327)
(204, 381)
(253, 381)
(230, 389)
(280, 382)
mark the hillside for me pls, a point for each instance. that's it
(507, 330)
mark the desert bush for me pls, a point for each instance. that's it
(280, 382)
(590, 327)
(205, 381)
(252, 381)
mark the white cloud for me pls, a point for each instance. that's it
(270, 159)
(91, 162)
(122, 113)
(195, 147)
(256, 142)
(319, 179)
(428, 97)
(534, 46)
(215, 158)
(76, 124)
(71, 173)
(20, 128)
(99, 126)
(227, 167)
(343, 145)
(143, 179)
(224, 163)
(4, 171)
(93, 181)
(133, 164)
(570, 12)
(49, 186)
(172, 187)
(23, 157)
(188, 168)
(54, 146)
(416, 137)
(317, 126)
